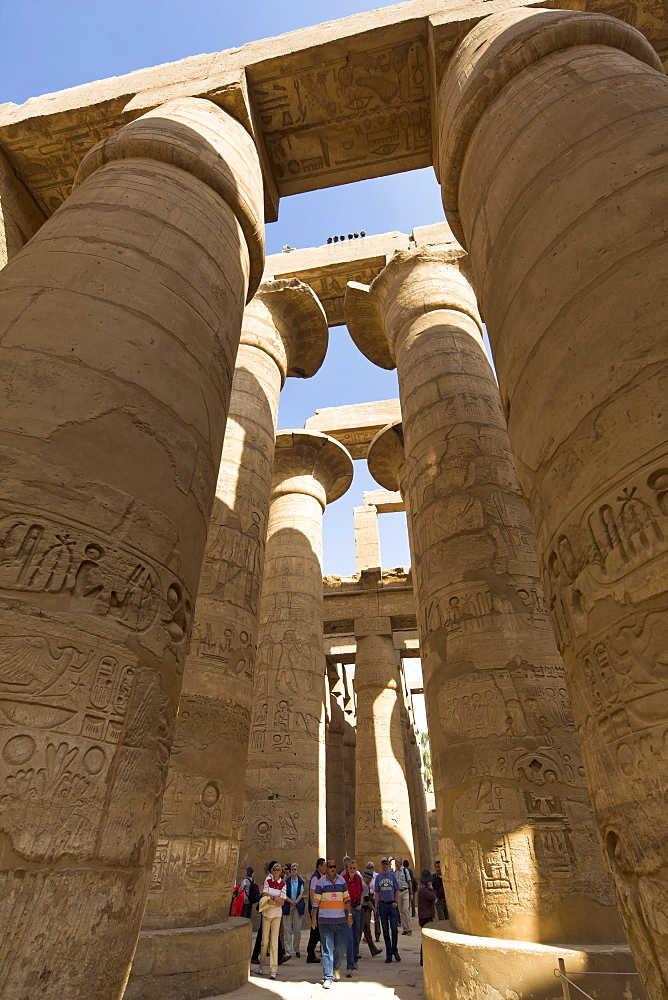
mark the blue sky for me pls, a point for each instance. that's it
(48, 45)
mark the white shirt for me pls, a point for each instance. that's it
(279, 895)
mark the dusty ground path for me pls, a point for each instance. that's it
(299, 981)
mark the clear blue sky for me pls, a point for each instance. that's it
(48, 45)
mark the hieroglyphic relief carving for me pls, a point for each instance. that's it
(509, 783)
(93, 574)
(365, 106)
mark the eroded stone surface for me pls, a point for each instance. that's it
(382, 815)
(519, 853)
(121, 322)
(581, 250)
(285, 782)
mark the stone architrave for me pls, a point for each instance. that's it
(553, 171)
(285, 782)
(416, 793)
(284, 333)
(518, 847)
(382, 814)
(121, 323)
(20, 218)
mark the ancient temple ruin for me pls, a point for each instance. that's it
(175, 698)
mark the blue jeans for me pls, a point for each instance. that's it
(333, 941)
(389, 920)
(353, 947)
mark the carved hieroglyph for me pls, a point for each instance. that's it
(121, 323)
(382, 815)
(519, 851)
(564, 228)
(284, 332)
(338, 833)
(416, 792)
(285, 781)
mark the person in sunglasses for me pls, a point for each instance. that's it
(333, 915)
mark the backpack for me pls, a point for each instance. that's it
(253, 893)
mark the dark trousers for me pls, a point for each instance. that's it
(255, 957)
(313, 939)
(389, 919)
(366, 930)
(423, 923)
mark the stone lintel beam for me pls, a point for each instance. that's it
(286, 320)
(268, 86)
(356, 425)
(385, 501)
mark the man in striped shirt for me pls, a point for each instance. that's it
(333, 914)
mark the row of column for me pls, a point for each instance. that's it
(121, 325)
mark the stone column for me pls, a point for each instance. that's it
(285, 782)
(416, 793)
(121, 323)
(551, 124)
(349, 762)
(367, 537)
(284, 332)
(382, 812)
(337, 820)
(518, 847)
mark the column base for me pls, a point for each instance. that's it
(188, 963)
(464, 967)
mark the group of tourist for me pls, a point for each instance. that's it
(342, 902)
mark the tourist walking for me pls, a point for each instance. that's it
(372, 889)
(387, 896)
(367, 910)
(314, 936)
(332, 913)
(410, 875)
(437, 885)
(406, 891)
(353, 881)
(274, 891)
(247, 884)
(426, 902)
(293, 911)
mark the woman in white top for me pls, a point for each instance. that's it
(274, 888)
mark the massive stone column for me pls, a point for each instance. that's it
(416, 793)
(285, 781)
(337, 820)
(284, 332)
(518, 845)
(121, 322)
(553, 170)
(382, 808)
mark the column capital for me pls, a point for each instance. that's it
(311, 463)
(386, 456)
(497, 49)
(286, 320)
(195, 135)
(413, 283)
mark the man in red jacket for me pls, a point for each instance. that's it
(353, 880)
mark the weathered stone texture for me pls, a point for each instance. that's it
(520, 858)
(121, 323)
(563, 224)
(383, 815)
(285, 784)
